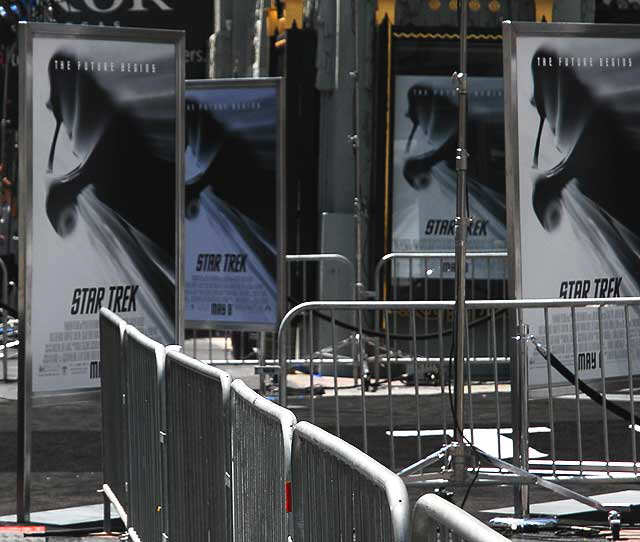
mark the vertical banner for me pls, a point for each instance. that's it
(573, 106)
(424, 171)
(233, 212)
(101, 157)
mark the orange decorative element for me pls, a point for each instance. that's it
(272, 21)
(494, 6)
(544, 10)
(434, 5)
(388, 8)
(453, 5)
(474, 5)
(293, 12)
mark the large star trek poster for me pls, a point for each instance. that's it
(99, 191)
(424, 173)
(574, 117)
(232, 181)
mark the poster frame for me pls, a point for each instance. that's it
(511, 32)
(281, 220)
(27, 33)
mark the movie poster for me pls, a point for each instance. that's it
(101, 195)
(424, 172)
(231, 182)
(577, 109)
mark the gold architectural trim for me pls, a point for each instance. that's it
(446, 36)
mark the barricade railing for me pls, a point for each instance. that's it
(395, 406)
(340, 493)
(261, 436)
(145, 361)
(437, 520)
(192, 434)
(596, 339)
(416, 276)
(197, 406)
(114, 418)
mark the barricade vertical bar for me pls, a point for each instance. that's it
(468, 375)
(416, 381)
(395, 296)
(516, 406)
(361, 364)
(443, 392)
(524, 412)
(262, 360)
(410, 279)
(283, 354)
(632, 426)
(494, 356)
(601, 361)
(387, 344)
(576, 373)
(550, 391)
(335, 370)
(312, 394)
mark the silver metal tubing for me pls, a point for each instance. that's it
(435, 519)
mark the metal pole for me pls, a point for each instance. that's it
(357, 200)
(462, 222)
(523, 385)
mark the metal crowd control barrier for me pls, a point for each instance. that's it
(114, 415)
(437, 520)
(145, 361)
(261, 435)
(340, 493)
(399, 424)
(197, 403)
(400, 412)
(416, 276)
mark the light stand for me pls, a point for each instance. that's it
(460, 454)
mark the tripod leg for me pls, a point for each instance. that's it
(423, 463)
(556, 488)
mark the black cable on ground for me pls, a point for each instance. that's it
(590, 392)
(396, 337)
